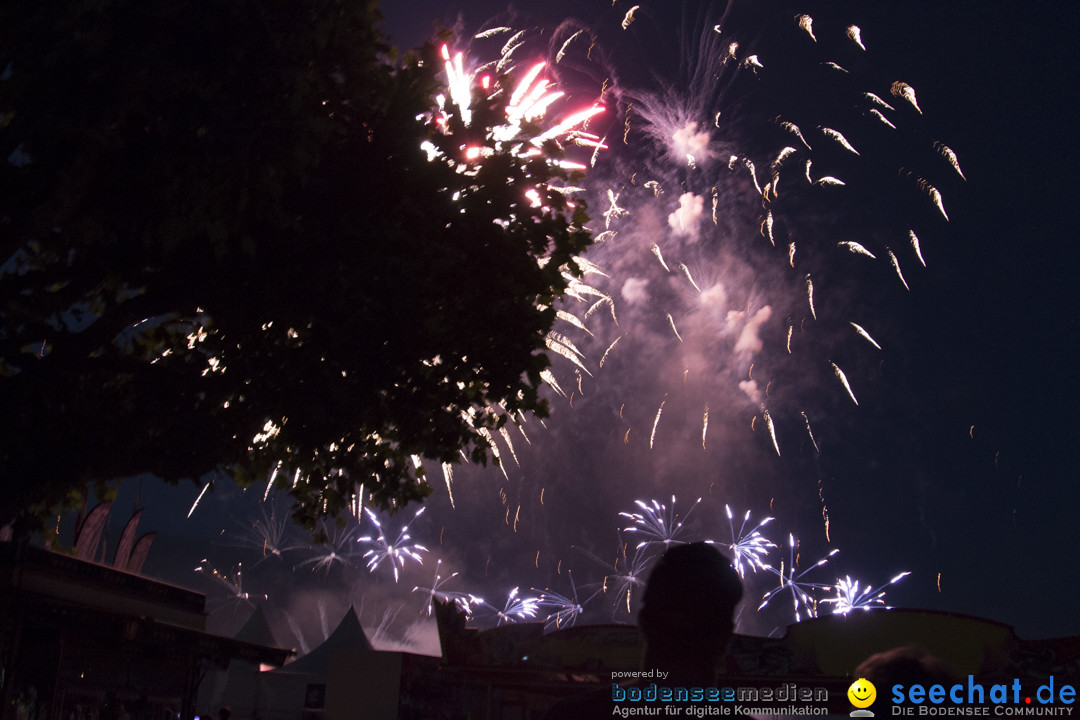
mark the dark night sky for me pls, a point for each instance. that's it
(977, 475)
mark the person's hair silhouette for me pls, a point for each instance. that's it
(687, 613)
(908, 665)
(686, 619)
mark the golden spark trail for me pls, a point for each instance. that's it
(896, 266)
(837, 136)
(794, 130)
(656, 251)
(448, 478)
(878, 101)
(810, 432)
(492, 33)
(859, 329)
(609, 349)
(855, 34)
(704, 426)
(614, 211)
(905, 92)
(562, 51)
(810, 296)
(749, 165)
(844, 381)
(686, 271)
(772, 429)
(671, 322)
(656, 421)
(767, 227)
(877, 113)
(512, 43)
(269, 483)
(781, 156)
(572, 320)
(510, 444)
(947, 153)
(562, 345)
(196, 503)
(915, 246)
(549, 379)
(935, 196)
(857, 249)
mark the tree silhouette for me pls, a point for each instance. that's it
(226, 250)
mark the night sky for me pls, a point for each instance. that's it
(960, 460)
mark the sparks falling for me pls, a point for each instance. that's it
(397, 551)
(748, 547)
(657, 523)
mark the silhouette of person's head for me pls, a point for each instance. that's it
(687, 612)
(908, 665)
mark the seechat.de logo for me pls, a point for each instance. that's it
(975, 698)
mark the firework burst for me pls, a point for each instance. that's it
(850, 597)
(625, 576)
(751, 215)
(396, 552)
(657, 523)
(271, 533)
(748, 547)
(232, 583)
(565, 610)
(339, 547)
(437, 592)
(792, 581)
(517, 607)
(759, 126)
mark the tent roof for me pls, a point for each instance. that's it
(257, 630)
(349, 635)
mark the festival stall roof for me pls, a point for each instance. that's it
(63, 578)
(80, 629)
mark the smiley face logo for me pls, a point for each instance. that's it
(862, 693)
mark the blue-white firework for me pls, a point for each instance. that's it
(565, 610)
(339, 547)
(397, 551)
(657, 523)
(627, 574)
(792, 581)
(437, 592)
(849, 596)
(748, 548)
